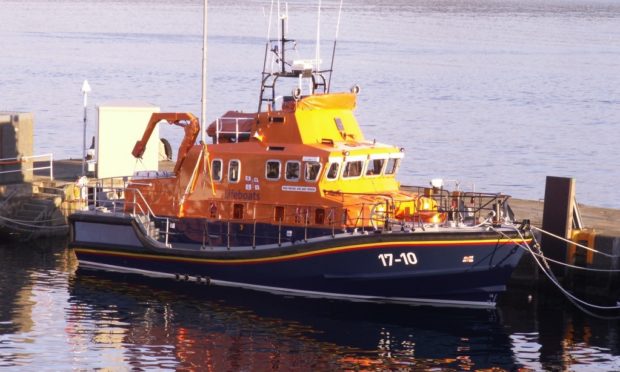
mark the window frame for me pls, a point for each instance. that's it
(318, 173)
(230, 162)
(298, 171)
(279, 169)
(349, 161)
(338, 163)
(397, 160)
(219, 160)
(380, 172)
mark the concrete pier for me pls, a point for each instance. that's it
(16, 129)
(601, 232)
(603, 220)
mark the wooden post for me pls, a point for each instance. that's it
(558, 219)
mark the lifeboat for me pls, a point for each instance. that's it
(294, 199)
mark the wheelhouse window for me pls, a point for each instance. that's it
(293, 169)
(374, 167)
(352, 169)
(234, 171)
(272, 170)
(392, 166)
(312, 169)
(216, 169)
(332, 172)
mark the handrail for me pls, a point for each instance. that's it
(299, 217)
(484, 201)
(219, 125)
(21, 160)
(149, 214)
(100, 186)
(139, 202)
(352, 221)
(148, 207)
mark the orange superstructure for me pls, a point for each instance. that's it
(306, 163)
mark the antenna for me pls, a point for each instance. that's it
(269, 21)
(317, 55)
(301, 69)
(279, 16)
(331, 67)
(283, 38)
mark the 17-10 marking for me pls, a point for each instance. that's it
(388, 259)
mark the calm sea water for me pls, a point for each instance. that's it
(56, 317)
(493, 94)
(496, 94)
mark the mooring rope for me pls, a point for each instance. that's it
(576, 267)
(547, 271)
(28, 221)
(575, 243)
(19, 222)
(564, 263)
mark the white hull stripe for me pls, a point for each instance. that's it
(297, 292)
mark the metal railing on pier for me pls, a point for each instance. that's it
(29, 160)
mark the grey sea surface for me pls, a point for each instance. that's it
(494, 95)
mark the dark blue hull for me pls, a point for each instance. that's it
(459, 268)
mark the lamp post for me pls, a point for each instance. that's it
(85, 91)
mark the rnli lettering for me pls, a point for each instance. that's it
(390, 259)
(240, 195)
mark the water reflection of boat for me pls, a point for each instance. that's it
(294, 199)
(245, 330)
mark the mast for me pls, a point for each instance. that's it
(317, 56)
(85, 91)
(283, 43)
(299, 69)
(203, 113)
